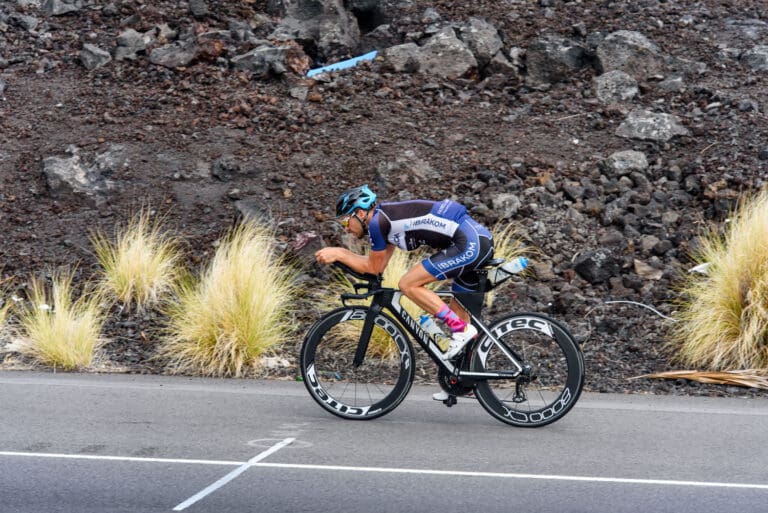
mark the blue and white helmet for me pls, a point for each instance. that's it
(358, 197)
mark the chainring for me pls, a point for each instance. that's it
(458, 389)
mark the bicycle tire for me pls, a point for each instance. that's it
(376, 387)
(557, 376)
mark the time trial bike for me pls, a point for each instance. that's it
(357, 361)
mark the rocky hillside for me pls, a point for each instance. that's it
(611, 133)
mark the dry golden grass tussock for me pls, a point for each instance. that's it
(507, 242)
(5, 305)
(237, 310)
(508, 245)
(723, 316)
(140, 264)
(56, 329)
(4, 309)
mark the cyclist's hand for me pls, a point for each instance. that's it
(326, 255)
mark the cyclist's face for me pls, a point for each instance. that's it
(352, 226)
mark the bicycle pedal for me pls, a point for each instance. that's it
(450, 401)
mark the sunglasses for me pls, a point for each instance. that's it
(345, 220)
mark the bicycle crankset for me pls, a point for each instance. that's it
(451, 384)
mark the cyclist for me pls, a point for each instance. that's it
(462, 243)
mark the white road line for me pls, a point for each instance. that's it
(254, 462)
(229, 477)
(551, 477)
(119, 458)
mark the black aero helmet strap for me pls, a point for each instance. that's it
(363, 225)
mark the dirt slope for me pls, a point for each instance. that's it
(204, 141)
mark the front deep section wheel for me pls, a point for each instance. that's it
(367, 391)
(552, 376)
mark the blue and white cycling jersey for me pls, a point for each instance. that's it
(410, 224)
(463, 244)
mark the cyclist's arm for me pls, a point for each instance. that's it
(373, 263)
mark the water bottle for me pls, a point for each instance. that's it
(503, 273)
(516, 265)
(429, 325)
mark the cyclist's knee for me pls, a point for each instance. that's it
(410, 286)
(406, 286)
(414, 280)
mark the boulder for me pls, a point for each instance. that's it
(756, 58)
(630, 52)
(70, 178)
(131, 42)
(66, 176)
(651, 126)
(92, 57)
(225, 168)
(262, 61)
(403, 58)
(482, 39)
(338, 34)
(506, 205)
(499, 64)
(647, 272)
(59, 7)
(597, 266)
(615, 86)
(550, 58)
(252, 208)
(326, 24)
(623, 163)
(174, 55)
(671, 84)
(198, 8)
(445, 55)
(28, 23)
(614, 212)
(302, 249)
(382, 36)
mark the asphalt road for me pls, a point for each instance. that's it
(116, 443)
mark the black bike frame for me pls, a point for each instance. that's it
(389, 299)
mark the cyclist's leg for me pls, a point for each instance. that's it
(472, 245)
(447, 264)
(462, 309)
(412, 284)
